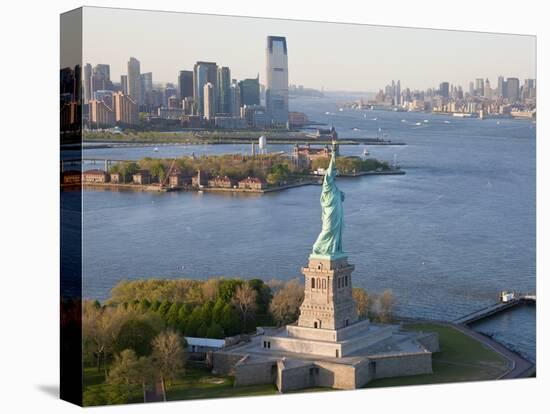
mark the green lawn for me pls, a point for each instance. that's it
(462, 358)
(201, 383)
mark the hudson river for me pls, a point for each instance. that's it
(446, 237)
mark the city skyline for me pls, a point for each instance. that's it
(417, 57)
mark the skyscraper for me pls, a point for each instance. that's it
(87, 82)
(479, 87)
(277, 80)
(444, 89)
(100, 79)
(185, 84)
(236, 99)
(134, 81)
(203, 73)
(397, 98)
(512, 89)
(250, 91)
(501, 87)
(126, 109)
(209, 101)
(487, 93)
(146, 87)
(124, 84)
(224, 90)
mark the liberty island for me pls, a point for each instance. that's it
(328, 346)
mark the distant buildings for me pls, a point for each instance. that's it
(277, 80)
(250, 91)
(126, 109)
(209, 110)
(101, 115)
(134, 81)
(185, 84)
(203, 73)
(252, 183)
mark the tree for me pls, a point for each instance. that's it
(227, 289)
(230, 320)
(164, 307)
(245, 300)
(210, 289)
(217, 311)
(215, 331)
(172, 314)
(194, 321)
(168, 355)
(263, 299)
(203, 330)
(386, 306)
(137, 336)
(285, 305)
(131, 372)
(362, 302)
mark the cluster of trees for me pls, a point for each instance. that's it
(273, 168)
(350, 165)
(378, 308)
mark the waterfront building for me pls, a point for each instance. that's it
(487, 92)
(255, 116)
(178, 179)
(95, 176)
(142, 177)
(223, 104)
(209, 101)
(185, 84)
(126, 109)
(191, 121)
(235, 100)
(221, 182)
(134, 81)
(277, 80)
(189, 106)
(87, 83)
(71, 177)
(105, 96)
(174, 102)
(117, 178)
(250, 91)
(170, 113)
(203, 73)
(252, 183)
(303, 156)
(124, 84)
(101, 115)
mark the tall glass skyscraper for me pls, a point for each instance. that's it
(134, 81)
(277, 80)
(224, 90)
(203, 73)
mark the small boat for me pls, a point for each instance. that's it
(156, 149)
(366, 152)
(426, 121)
(327, 113)
(498, 122)
(374, 119)
(341, 109)
(356, 129)
(403, 120)
(418, 123)
(447, 122)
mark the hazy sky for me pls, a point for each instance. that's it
(330, 55)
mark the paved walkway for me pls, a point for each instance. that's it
(521, 368)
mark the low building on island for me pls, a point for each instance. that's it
(252, 183)
(95, 176)
(71, 177)
(200, 179)
(221, 182)
(117, 178)
(328, 346)
(178, 179)
(142, 177)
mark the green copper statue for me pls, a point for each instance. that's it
(329, 242)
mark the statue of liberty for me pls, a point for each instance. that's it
(329, 241)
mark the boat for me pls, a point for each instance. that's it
(356, 129)
(403, 120)
(426, 121)
(447, 122)
(418, 123)
(341, 109)
(366, 152)
(156, 149)
(327, 113)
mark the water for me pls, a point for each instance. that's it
(515, 328)
(446, 237)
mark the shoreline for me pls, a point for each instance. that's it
(314, 180)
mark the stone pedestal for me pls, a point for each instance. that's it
(328, 303)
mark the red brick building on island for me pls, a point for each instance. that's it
(95, 176)
(252, 183)
(178, 179)
(71, 177)
(221, 182)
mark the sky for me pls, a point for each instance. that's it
(335, 56)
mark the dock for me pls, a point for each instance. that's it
(506, 302)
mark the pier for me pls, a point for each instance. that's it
(507, 301)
